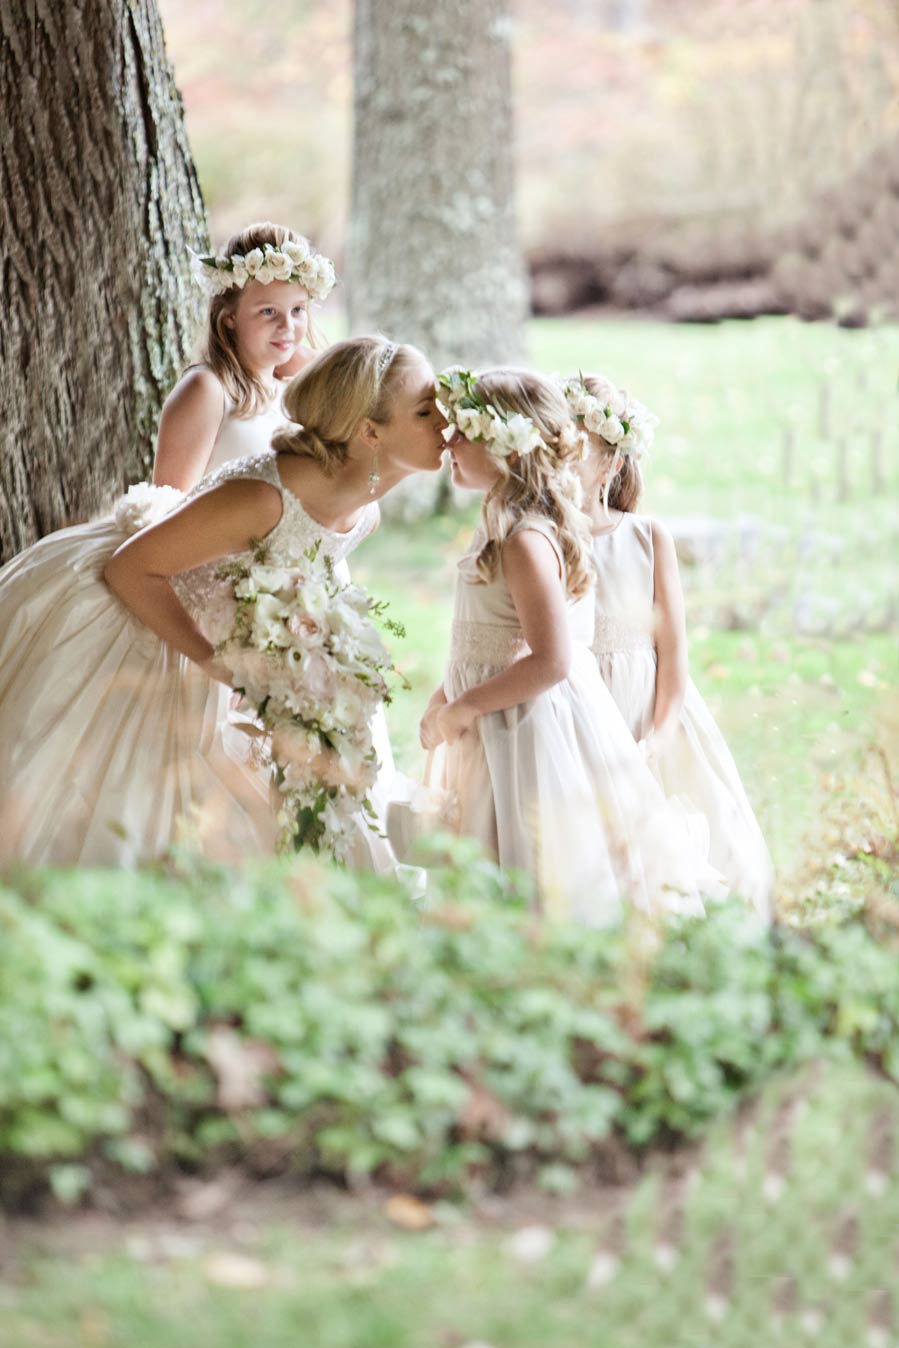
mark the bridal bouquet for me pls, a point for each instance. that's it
(305, 653)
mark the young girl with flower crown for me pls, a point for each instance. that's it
(640, 641)
(261, 288)
(530, 745)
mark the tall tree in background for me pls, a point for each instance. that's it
(433, 251)
(99, 201)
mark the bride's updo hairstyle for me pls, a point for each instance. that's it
(539, 484)
(354, 381)
(246, 390)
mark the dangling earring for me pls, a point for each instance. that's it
(374, 476)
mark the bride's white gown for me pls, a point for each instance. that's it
(110, 739)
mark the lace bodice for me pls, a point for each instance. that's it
(486, 630)
(206, 597)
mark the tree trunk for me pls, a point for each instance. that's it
(99, 201)
(433, 253)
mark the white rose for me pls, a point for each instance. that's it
(312, 597)
(346, 709)
(272, 579)
(239, 275)
(280, 266)
(269, 626)
(611, 430)
(521, 434)
(469, 422)
(321, 277)
(308, 629)
(355, 597)
(319, 680)
(594, 418)
(297, 252)
(254, 259)
(265, 274)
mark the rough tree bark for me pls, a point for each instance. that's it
(99, 201)
(433, 253)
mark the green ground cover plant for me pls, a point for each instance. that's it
(307, 1021)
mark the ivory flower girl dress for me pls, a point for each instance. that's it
(698, 767)
(556, 786)
(108, 736)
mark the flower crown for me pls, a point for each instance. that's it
(503, 433)
(623, 423)
(292, 261)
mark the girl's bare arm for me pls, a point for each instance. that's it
(188, 426)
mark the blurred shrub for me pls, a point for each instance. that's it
(293, 1018)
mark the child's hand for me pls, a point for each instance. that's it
(445, 721)
(429, 735)
(657, 743)
(301, 357)
(426, 729)
(454, 719)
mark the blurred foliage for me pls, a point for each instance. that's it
(305, 1020)
(704, 158)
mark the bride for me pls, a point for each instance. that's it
(109, 732)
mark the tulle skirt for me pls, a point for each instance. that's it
(697, 767)
(557, 787)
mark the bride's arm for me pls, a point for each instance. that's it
(219, 522)
(531, 571)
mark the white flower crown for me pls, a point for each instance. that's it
(622, 421)
(503, 433)
(290, 262)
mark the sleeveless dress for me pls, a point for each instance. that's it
(556, 786)
(240, 437)
(698, 767)
(110, 740)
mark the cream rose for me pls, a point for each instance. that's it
(254, 260)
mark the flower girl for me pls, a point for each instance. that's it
(544, 772)
(260, 290)
(640, 640)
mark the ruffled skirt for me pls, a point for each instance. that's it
(557, 787)
(699, 768)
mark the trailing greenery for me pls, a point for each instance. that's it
(298, 1018)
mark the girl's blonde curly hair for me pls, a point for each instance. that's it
(539, 485)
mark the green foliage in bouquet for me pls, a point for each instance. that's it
(293, 1017)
